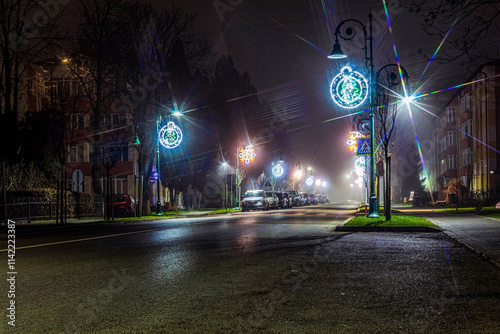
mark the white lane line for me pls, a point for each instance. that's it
(85, 239)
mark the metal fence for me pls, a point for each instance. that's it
(34, 208)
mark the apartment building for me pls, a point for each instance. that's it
(468, 134)
(53, 85)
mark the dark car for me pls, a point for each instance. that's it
(289, 200)
(255, 200)
(305, 198)
(282, 200)
(296, 198)
(123, 206)
(312, 199)
(272, 199)
(317, 198)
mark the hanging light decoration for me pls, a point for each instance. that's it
(247, 154)
(277, 170)
(298, 174)
(170, 136)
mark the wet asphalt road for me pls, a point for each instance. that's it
(272, 272)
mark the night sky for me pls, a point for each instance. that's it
(284, 44)
(284, 47)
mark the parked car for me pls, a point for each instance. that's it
(296, 198)
(305, 198)
(317, 198)
(323, 199)
(282, 200)
(272, 199)
(123, 206)
(254, 200)
(312, 199)
(287, 200)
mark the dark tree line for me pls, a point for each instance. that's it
(135, 60)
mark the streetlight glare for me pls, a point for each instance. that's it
(408, 99)
(177, 113)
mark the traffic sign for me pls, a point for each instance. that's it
(363, 147)
(78, 181)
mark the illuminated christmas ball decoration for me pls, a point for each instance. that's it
(349, 88)
(170, 135)
(247, 154)
(298, 174)
(310, 181)
(318, 182)
(277, 170)
(323, 183)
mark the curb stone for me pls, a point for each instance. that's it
(387, 229)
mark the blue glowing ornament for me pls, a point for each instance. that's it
(310, 181)
(349, 88)
(170, 135)
(277, 170)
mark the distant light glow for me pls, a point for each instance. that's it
(247, 154)
(349, 88)
(318, 182)
(170, 136)
(177, 113)
(298, 174)
(277, 170)
(323, 183)
(310, 181)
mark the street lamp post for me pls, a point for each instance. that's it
(237, 179)
(158, 201)
(368, 48)
(389, 76)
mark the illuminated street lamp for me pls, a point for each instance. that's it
(358, 84)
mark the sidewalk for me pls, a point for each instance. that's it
(477, 233)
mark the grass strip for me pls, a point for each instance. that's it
(396, 220)
(485, 209)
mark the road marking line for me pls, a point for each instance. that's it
(85, 239)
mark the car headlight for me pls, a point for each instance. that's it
(259, 203)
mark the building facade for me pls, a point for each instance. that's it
(53, 85)
(468, 134)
